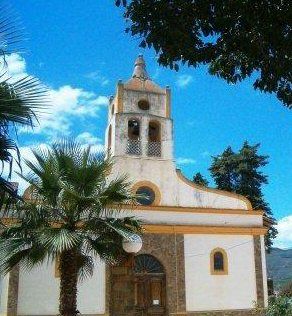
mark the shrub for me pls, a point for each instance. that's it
(287, 290)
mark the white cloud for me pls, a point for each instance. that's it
(16, 67)
(284, 238)
(26, 154)
(88, 138)
(85, 139)
(184, 80)
(205, 153)
(185, 161)
(67, 104)
(97, 76)
(66, 101)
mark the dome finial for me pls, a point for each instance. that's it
(140, 71)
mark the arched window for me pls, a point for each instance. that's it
(154, 139)
(154, 131)
(219, 262)
(143, 105)
(147, 264)
(113, 109)
(133, 129)
(134, 143)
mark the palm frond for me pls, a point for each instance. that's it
(85, 265)
(7, 145)
(72, 192)
(21, 101)
(8, 196)
(11, 30)
(57, 240)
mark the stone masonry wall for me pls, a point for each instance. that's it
(169, 250)
(259, 271)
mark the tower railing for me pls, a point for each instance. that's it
(134, 147)
(154, 149)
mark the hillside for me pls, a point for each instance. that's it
(279, 266)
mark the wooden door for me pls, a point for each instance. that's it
(150, 295)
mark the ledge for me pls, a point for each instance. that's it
(192, 229)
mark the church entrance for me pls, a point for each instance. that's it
(150, 287)
(138, 288)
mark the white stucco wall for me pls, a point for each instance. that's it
(39, 292)
(174, 191)
(156, 101)
(193, 218)
(159, 170)
(204, 291)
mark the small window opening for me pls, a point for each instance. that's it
(133, 129)
(113, 109)
(218, 261)
(143, 105)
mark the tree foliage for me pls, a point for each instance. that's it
(200, 179)
(286, 290)
(241, 173)
(20, 101)
(280, 306)
(68, 217)
(236, 39)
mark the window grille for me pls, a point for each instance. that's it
(133, 147)
(154, 149)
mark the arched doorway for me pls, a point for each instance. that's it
(150, 286)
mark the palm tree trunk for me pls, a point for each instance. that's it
(68, 283)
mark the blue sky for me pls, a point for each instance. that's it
(79, 49)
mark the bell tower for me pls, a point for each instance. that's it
(139, 123)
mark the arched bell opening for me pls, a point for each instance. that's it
(134, 143)
(134, 129)
(154, 139)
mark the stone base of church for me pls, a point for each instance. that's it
(120, 285)
(169, 250)
(242, 312)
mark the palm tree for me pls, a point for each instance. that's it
(20, 101)
(68, 217)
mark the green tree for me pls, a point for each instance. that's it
(20, 101)
(236, 39)
(278, 306)
(241, 173)
(223, 170)
(200, 180)
(68, 216)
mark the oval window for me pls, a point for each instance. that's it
(146, 196)
(143, 105)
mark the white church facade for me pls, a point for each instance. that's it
(203, 249)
